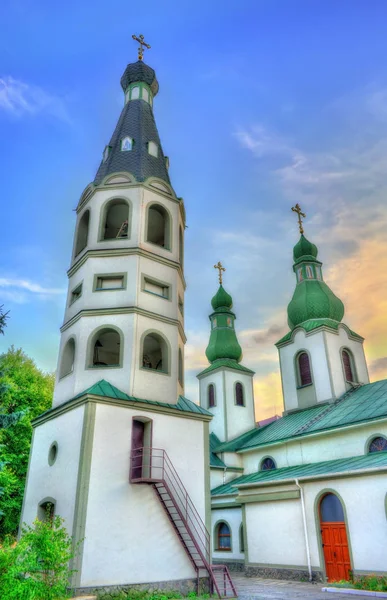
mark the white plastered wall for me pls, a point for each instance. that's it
(233, 518)
(239, 418)
(58, 481)
(141, 545)
(335, 343)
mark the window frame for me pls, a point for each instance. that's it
(104, 213)
(263, 460)
(148, 279)
(107, 276)
(91, 344)
(218, 535)
(300, 384)
(122, 140)
(209, 405)
(352, 365)
(239, 383)
(71, 299)
(168, 227)
(61, 374)
(372, 440)
(168, 351)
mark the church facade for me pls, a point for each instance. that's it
(304, 496)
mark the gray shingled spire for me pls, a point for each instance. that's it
(136, 121)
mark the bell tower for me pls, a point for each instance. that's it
(124, 320)
(320, 357)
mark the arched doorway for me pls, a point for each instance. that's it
(141, 448)
(334, 538)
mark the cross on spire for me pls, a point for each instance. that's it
(297, 209)
(220, 269)
(140, 40)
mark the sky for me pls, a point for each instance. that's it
(262, 104)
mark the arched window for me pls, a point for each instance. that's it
(348, 365)
(126, 144)
(268, 464)
(155, 353)
(304, 371)
(68, 355)
(378, 444)
(241, 539)
(181, 368)
(82, 233)
(115, 220)
(105, 348)
(223, 536)
(331, 510)
(239, 394)
(211, 395)
(158, 226)
(46, 509)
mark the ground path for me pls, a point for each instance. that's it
(255, 588)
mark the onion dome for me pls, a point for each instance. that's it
(139, 71)
(221, 299)
(312, 298)
(223, 340)
(304, 248)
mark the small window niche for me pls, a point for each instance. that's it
(106, 153)
(181, 368)
(126, 144)
(115, 221)
(109, 282)
(46, 510)
(239, 394)
(52, 453)
(82, 232)
(155, 353)
(349, 365)
(181, 306)
(153, 149)
(155, 287)
(309, 272)
(105, 349)
(158, 226)
(76, 293)
(145, 94)
(68, 358)
(135, 93)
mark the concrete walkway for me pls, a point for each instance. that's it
(255, 588)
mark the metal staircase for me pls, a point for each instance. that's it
(153, 466)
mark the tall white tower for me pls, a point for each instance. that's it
(121, 446)
(124, 320)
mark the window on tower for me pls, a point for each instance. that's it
(158, 226)
(115, 220)
(135, 92)
(155, 353)
(82, 232)
(239, 394)
(153, 149)
(211, 395)
(181, 368)
(126, 144)
(145, 94)
(304, 373)
(105, 348)
(348, 365)
(68, 356)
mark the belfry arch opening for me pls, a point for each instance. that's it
(158, 226)
(115, 221)
(155, 353)
(105, 348)
(68, 356)
(82, 232)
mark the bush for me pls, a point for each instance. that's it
(372, 583)
(37, 567)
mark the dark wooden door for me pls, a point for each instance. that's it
(336, 553)
(137, 448)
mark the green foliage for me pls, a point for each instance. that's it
(134, 594)
(3, 319)
(36, 568)
(26, 392)
(372, 583)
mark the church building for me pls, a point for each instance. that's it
(304, 496)
(122, 455)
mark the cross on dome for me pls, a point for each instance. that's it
(140, 40)
(297, 209)
(220, 269)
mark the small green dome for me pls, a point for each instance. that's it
(313, 300)
(304, 248)
(221, 299)
(223, 344)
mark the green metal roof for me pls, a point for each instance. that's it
(312, 324)
(215, 461)
(106, 389)
(341, 465)
(225, 362)
(365, 403)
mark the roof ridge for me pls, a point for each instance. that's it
(326, 411)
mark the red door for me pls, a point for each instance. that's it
(137, 449)
(334, 539)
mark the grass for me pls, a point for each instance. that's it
(145, 595)
(372, 583)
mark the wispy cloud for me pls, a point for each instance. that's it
(19, 99)
(22, 291)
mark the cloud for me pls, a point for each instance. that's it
(270, 335)
(21, 291)
(268, 396)
(23, 99)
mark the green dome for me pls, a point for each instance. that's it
(221, 299)
(313, 300)
(304, 248)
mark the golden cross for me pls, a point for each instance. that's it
(140, 40)
(220, 268)
(297, 209)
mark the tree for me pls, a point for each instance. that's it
(37, 567)
(24, 390)
(3, 319)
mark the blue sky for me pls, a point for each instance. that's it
(262, 104)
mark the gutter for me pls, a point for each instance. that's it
(305, 530)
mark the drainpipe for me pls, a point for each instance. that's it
(305, 529)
